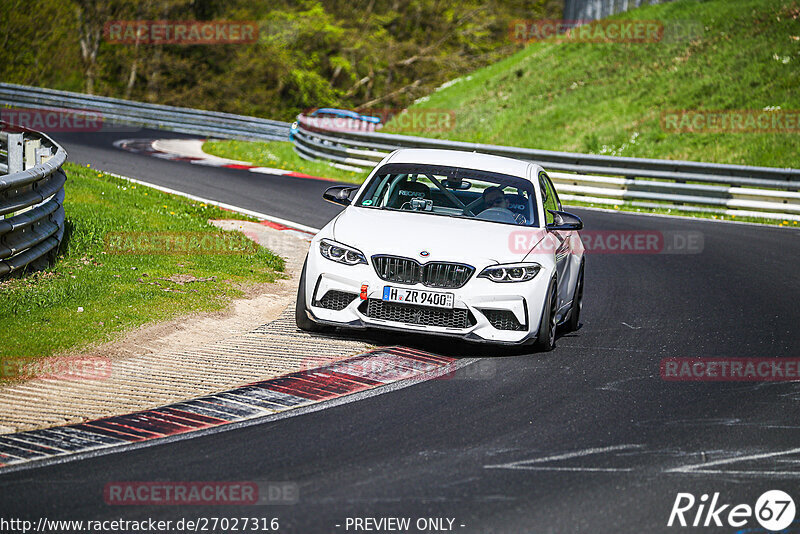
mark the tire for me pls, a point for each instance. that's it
(546, 337)
(300, 315)
(577, 303)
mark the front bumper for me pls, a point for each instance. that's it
(495, 313)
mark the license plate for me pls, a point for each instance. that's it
(419, 297)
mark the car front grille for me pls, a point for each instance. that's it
(443, 275)
(421, 315)
(336, 300)
(395, 269)
(503, 319)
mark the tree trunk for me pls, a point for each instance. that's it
(90, 25)
(131, 79)
(134, 68)
(154, 77)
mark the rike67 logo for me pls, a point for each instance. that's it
(774, 511)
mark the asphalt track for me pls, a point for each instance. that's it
(606, 444)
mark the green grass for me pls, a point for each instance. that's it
(279, 155)
(118, 292)
(608, 98)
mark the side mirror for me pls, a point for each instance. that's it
(564, 221)
(339, 194)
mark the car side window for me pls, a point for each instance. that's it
(543, 187)
(549, 197)
(553, 192)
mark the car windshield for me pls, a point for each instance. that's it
(452, 192)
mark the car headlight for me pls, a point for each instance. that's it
(341, 253)
(511, 272)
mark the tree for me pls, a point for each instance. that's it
(91, 15)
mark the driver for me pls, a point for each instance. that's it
(493, 197)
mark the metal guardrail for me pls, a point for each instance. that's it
(31, 199)
(739, 190)
(117, 111)
(606, 180)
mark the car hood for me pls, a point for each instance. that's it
(445, 238)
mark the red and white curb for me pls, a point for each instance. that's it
(376, 372)
(191, 150)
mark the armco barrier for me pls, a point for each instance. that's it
(111, 111)
(735, 190)
(741, 190)
(31, 199)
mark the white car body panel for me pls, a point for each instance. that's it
(474, 242)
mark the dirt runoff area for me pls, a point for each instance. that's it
(255, 338)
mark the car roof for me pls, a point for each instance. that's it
(464, 160)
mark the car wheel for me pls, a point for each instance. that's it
(300, 315)
(577, 303)
(546, 337)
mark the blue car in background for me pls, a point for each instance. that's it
(333, 113)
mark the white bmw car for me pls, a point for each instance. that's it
(447, 243)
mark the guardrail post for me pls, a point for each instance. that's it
(30, 152)
(15, 159)
(43, 154)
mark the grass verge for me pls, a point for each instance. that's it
(93, 294)
(280, 155)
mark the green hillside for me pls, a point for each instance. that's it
(608, 98)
